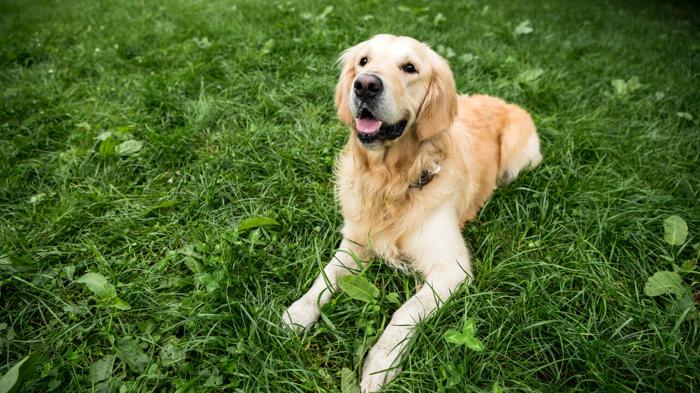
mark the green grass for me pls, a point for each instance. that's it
(233, 103)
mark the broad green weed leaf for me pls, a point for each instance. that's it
(455, 337)
(123, 132)
(53, 384)
(468, 57)
(170, 352)
(445, 51)
(214, 379)
(107, 147)
(452, 374)
(202, 43)
(191, 258)
(496, 388)
(102, 369)
(633, 84)
(530, 76)
(415, 11)
(474, 344)
(358, 288)
(619, 86)
(449, 52)
(129, 351)
(685, 115)
(326, 11)
(267, 47)
(663, 283)
(255, 222)
(465, 337)
(208, 280)
(37, 198)
(622, 87)
(193, 264)
(675, 230)
(348, 382)
(439, 18)
(119, 304)
(688, 265)
(189, 250)
(98, 284)
(684, 303)
(469, 328)
(19, 373)
(103, 136)
(15, 264)
(393, 298)
(112, 385)
(128, 148)
(523, 28)
(69, 270)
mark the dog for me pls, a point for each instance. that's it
(420, 161)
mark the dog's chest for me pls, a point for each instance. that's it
(380, 218)
(369, 207)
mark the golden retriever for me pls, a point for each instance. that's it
(420, 162)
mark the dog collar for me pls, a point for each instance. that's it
(426, 177)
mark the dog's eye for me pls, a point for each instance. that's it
(363, 61)
(409, 68)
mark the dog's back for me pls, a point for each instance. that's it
(510, 125)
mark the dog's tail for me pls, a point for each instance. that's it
(520, 145)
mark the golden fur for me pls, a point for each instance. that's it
(467, 143)
(476, 140)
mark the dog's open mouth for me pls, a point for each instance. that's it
(370, 129)
(366, 123)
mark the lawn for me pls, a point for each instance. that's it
(145, 150)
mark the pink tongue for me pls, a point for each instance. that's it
(367, 126)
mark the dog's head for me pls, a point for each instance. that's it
(389, 85)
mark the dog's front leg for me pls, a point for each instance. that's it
(439, 251)
(303, 313)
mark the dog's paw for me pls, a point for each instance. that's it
(301, 315)
(372, 383)
(378, 370)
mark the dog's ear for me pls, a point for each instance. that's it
(439, 107)
(346, 61)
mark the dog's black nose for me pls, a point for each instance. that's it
(368, 86)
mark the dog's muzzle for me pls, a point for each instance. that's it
(371, 130)
(368, 89)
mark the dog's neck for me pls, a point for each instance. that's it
(407, 160)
